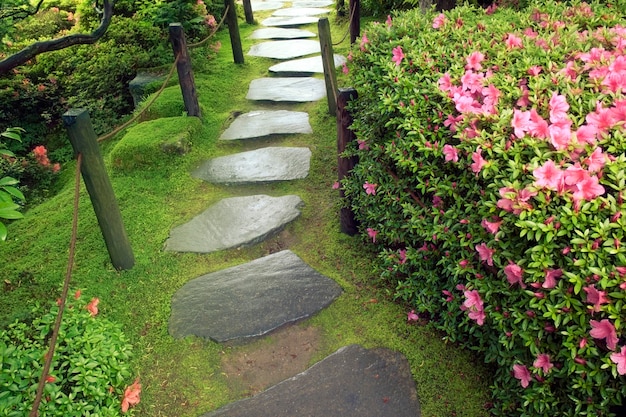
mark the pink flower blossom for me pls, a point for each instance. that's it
(534, 70)
(620, 360)
(595, 297)
(603, 119)
(521, 372)
(596, 160)
(439, 21)
(398, 55)
(558, 107)
(588, 189)
(549, 176)
(451, 153)
(543, 362)
(364, 41)
(445, 83)
(370, 188)
(475, 306)
(92, 307)
(520, 123)
(513, 42)
(587, 134)
(514, 274)
(473, 61)
(345, 69)
(491, 227)
(538, 127)
(372, 233)
(560, 136)
(479, 162)
(551, 276)
(448, 294)
(402, 256)
(389, 22)
(463, 263)
(485, 254)
(472, 81)
(336, 185)
(412, 316)
(604, 329)
(362, 145)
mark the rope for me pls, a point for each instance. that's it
(66, 284)
(348, 31)
(203, 41)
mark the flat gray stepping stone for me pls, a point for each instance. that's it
(300, 11)
(234, 222)
(265, 5)
(250, 300)
(312, 3)
(285, 49)
(259, 123)
(305, 65)
(261, 165)
(352, 382)
(298, 89)
(289, 21)
(281, 33)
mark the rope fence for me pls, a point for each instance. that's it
(352, 12)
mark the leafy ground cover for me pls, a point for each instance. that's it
(186, 378)
(491, 176)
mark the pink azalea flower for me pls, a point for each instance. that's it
(588, 189)
(472, 81)
(596, 160)
(534, 70)
(336, 185)
(448, 294)
(491, 227)
(513, 41)
(398, 55)
(558, 107)
(485, 254)
(549, 176)
(412, 316)
(604, 329)
(372, 233)
(551, 276)
(543, 362)
(479, 162)
(364, 41)
(514, 274)
(620, 360)
(595, 297)
(475, 306)
(450, 153)
(520, 123)
(363, 145)
(538, 127)
(603, 119)
(389, 21)
(587, 134)
(439, 21)
(445, 82)
(402, 256)
(370, 188)
(560, 136)
(473, 61)
(345, 69)
(92, 307)
(521, 372)
(463, 263)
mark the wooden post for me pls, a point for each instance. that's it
(355, 21)
(348, 224)
(185, 73)
(233, 30)
(85, 141)
(328, 61)
(339, 7)
(247, 10)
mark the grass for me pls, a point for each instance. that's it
(184, 377)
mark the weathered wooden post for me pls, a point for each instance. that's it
(328, 61)
(348, 224)
(247, 11)
(233, 31)
(85, 142)
(185, 73)
(355, 20)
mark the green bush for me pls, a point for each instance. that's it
(491, 181)
(89, 371)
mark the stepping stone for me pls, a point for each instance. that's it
(259, 5)
(289, 21)
(298, 89)
(300, 11)
(312, 3)
(256, 124)
(261, 165)
(250, 300)
(352, 382)
(234, 222)
(281, 33)
(285, 49)
(305, 65)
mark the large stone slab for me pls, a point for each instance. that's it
(261, 165)
(289, 21)
(300, 11)
(234, 222)
(250, 300)
(312, 3)
(352, 382)
(298, 89)
(304, 65)
(261, 5)
(281, 33)
(259, 123)
(285, 49)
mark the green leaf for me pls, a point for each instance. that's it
(3, 232)
(8, 211)
(4, 181)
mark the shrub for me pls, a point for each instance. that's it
(89, 371)
(490, 182)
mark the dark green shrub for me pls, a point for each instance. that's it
(460, 118)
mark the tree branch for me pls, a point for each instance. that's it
(37, 48)
(19, 12)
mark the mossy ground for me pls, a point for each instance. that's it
(185, 377)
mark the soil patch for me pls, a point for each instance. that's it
(285, 353)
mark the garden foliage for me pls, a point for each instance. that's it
(491, 183)
(89, 372)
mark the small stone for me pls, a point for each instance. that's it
(300, 11)
(285, 49)
(281, 33)
(289, 21)
(304, 65)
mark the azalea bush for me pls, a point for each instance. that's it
(491, 176)
(89, 373)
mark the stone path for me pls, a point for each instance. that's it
(280, 288)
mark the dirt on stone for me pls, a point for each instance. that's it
(285, 353)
